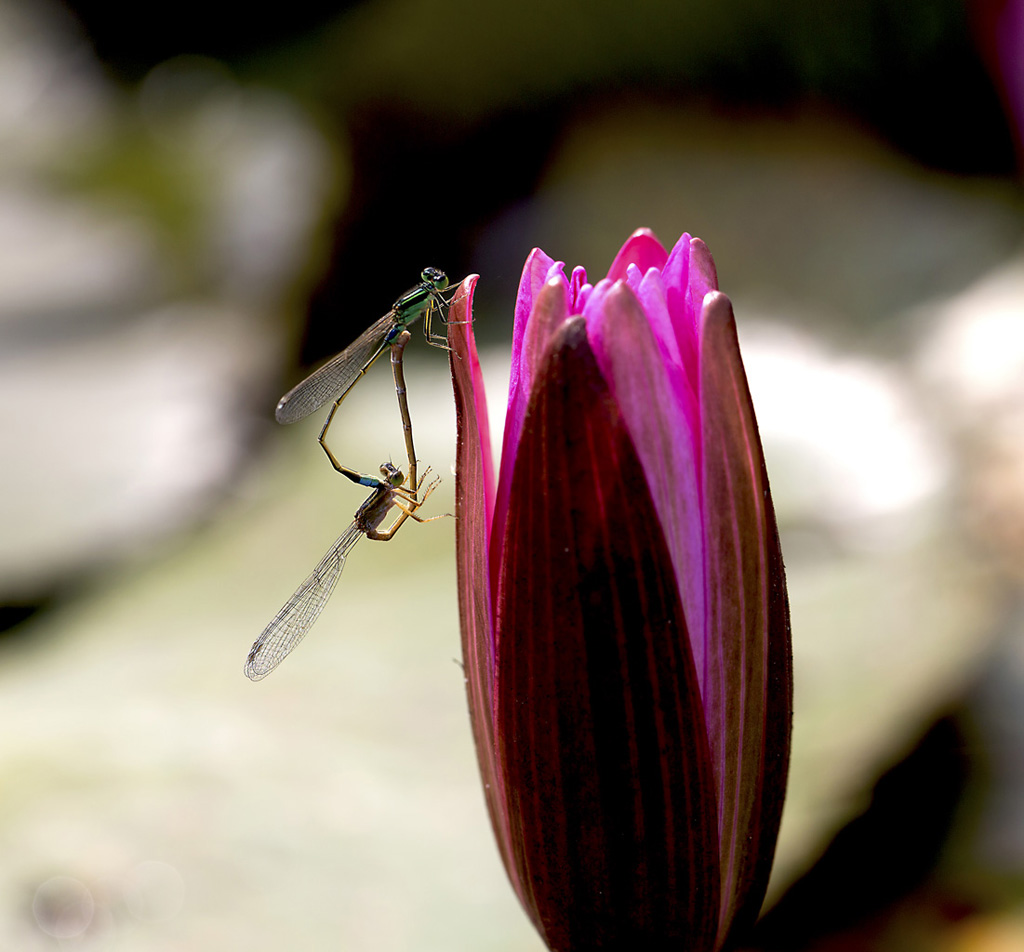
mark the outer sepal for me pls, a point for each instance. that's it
(474, 495)
(599, 722)
(748, 690)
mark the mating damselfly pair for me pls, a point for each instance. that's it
(393, 490)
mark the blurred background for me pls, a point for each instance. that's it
(197, 205)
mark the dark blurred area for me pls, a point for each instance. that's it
(132, 40)
(200, 200)
(459, 114)
(880, 863)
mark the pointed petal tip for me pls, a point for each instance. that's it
(536, 272)
(462, 300)
(716, 312)
(557, 273)
(717, 302)
(459, 319)
(550, 310)
(703, 264)
(538, 255)
(643, 249)
(620, 294)
(555, 289)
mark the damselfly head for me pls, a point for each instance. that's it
(393, 476)
(438, 280)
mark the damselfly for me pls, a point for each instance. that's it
(290, 624)
(334, 379)
(398, 370)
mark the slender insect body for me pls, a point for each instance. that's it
(386, 496)
(336, 378)
(372, 513)
(290, 625)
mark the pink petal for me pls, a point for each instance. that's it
(703, 277)
(682, 372)
(633, 278)
(748, 695)
(651, 293)
(676, 278)
(534, 276)
(681, 369)
(643, 249)
(665, 438)
(550, 309)
(474, 494)
(596, 299)
(537, 272)
(577, 286)
(600, 729)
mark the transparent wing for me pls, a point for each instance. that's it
(291, 623)
(337, 376)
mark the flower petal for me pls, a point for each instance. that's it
(550, 309)
(473, 425)
(578, 290)
(676, 278)
(665, 436)
(702, 278)
(474, 495)
(535, 274)
(643, 249)
(599, 722)
(748, 696)
(651, 295)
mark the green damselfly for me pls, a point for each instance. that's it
(334, 379)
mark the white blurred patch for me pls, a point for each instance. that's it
(154, 891)
(134, 341)
(60, 257)
(973, 361)
(265, 168)
(974, 351)
(53, 95)
(115, 438)
(855, 450)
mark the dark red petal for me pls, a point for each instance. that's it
(474, 494)
(599, 723)
(748, 693)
